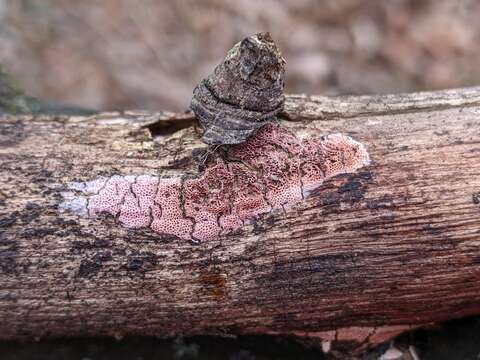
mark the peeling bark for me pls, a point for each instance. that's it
(366, 256)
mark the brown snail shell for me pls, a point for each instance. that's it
(243, 93)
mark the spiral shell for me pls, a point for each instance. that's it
(243, 93)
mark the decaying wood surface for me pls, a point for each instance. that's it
(366, 256)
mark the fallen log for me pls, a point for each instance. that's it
(366, 256)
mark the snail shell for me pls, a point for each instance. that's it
(243, 93)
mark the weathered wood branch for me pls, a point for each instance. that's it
(366, 256)
(324, 107)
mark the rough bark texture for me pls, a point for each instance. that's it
(243, 93)
(366, 256)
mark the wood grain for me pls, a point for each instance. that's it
(366, 256)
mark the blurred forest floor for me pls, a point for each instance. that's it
(149, 54)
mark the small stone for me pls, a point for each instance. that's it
(392, 354)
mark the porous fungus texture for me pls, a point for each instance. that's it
(272, 170)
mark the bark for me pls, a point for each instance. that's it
(366, 256)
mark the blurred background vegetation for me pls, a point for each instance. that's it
(149, 54)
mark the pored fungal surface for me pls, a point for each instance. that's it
(272, 170)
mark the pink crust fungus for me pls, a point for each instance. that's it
(271, 171)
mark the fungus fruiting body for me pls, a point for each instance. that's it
(272, 170)
(264, 168)
(243, 93)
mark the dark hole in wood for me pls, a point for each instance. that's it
(170, 126)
